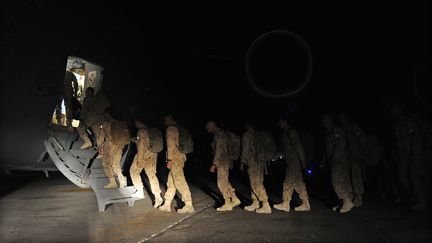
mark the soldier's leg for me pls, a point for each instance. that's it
(116, 160)
(224, 187)
(261, 192)
(182, 186)
(69, 110)
(169, 194)
(107, 167)
(403, 175)
(357, 183)
(302, 191)
(84, 136)
(150, 170)
(288, 189)
(135, 174)
(253, 183)
(342, 185)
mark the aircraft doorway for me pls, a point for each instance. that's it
(79, 75)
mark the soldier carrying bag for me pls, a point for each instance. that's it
(120, 134)
(155, 140)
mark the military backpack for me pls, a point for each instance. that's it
(265, 147)
(234, 145)
(120, 134)
(155, 140)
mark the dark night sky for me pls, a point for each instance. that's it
(191, 58)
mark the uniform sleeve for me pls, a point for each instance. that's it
(172, 138)
(297, 145)
(75, 84)
(220, 148)
(340, 143)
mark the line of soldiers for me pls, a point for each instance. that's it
(346, 149)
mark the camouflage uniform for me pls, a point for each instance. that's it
(411, 161)
(70, 86)
(222, 162)
(176, 178)
(92, 114)
(111, 154)
(356, 148)
(144, 159)
(255, 169)
(294, 154)
(335, 147)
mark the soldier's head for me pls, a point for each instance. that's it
(283, 122)
(249, 125)
(396, 112)
(327, 121)
(211, 126)
(140, 123)
(89, 91)
(343, 119)
(169, 120)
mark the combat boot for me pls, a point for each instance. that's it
(158, 201)
(122, 181)
(347, 206)
(305, 207)
(235, 201)
(166, 207)
(253, 206)
(264, 209)
(188, 208)
(284, 206)
(139, 193)
(112, 183)
(225, 207)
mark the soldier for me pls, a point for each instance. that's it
(255, 172)
(411, 162)
(356, 149)
(295, 158)
(336, 157)
(144, 159)
(111, 154)
(221, 164)
(70, 90)
(175, 163)
(92, 116)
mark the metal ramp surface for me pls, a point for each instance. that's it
(83, 169)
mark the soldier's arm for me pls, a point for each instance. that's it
(172, 138)
(143, 138)
(219, 148)
(75, 85)
(340, 141)
(298, 146)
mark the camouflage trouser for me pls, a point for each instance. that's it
(341, 180)
(256, 178)
(149, 165)
(111, 159)
(223, 183)
(177, 181)
(294, 182)
(357, 179)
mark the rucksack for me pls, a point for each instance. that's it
(265, 147)
(186, 144)
(234, 145)
(120, 134)
(155, 140)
